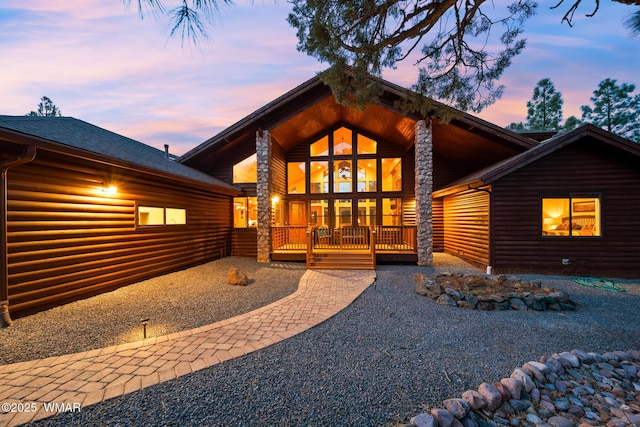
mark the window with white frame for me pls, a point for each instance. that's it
(154, 215)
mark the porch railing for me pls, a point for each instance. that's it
(289, 238)
(344, 238)
(398, 238)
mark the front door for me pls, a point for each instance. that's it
(297, 221)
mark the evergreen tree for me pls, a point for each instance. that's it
(633, 23)
(615, 109)
(461, 47)
(46, 108)
(544, 111)
(571, 123)
(517, 126)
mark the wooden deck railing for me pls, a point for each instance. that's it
(344, 238)
(397, 238)
(289, 238)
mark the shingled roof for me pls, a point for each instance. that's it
(71, 133)
(492, 173)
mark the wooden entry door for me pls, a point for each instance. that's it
(297, 221)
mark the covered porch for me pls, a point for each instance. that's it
(341, 245)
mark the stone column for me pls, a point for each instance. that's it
(424, 190)
(263, 187)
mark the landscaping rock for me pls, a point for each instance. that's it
(445, 299)
(443, 417)
(513, 385)
(482, 293)
(569, 389)
(474, 399)
(458, 407)
(424, 420)
(237, 277)
(491, 395)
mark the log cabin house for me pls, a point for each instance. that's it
(345, 188)
(85, 210)
(338, 187)
(306, 179)
(568, 206)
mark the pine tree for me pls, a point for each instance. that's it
(615, 109)
(46, 108)
(544, 111)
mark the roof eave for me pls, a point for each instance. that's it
(557, 143)
(56, 147)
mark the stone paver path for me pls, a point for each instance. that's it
(40, 388)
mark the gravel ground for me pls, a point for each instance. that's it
(380, 361)
(174, 302)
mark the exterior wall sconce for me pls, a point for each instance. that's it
(110, 190)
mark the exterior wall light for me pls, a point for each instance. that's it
(110, 190)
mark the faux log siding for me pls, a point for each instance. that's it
(278, 170)
(437, 221)
(466, 226)
(581, 167)
(65, 239)
(245, 242)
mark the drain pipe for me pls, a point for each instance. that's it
(28, 154)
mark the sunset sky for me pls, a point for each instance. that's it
(99, 62)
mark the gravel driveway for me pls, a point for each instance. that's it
(173, 302)
(378, 362)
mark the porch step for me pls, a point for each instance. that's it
(341, 261)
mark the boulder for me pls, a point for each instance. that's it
(424, 420)
(426, 287)
(458, 407)
(238, 277)
(474, 399)
(446, 300)
(491, 395)
(443, 417)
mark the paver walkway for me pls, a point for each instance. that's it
(40, 388)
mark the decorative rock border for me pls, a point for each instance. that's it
(542, 300)
(562, 390)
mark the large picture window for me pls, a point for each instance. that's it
(246, 171)
(342, 176)
(296, 178)
(578, 215)
(342, 209)
(345, 181)
(319, 182)
(392, 211)
(342, 142)
(320, 147)
(320, 213)
(366, 145)
(366, 212)
(391, 174)
(367, 177)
